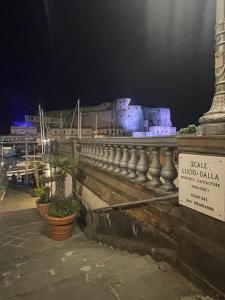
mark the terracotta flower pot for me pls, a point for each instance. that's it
(61, 228)
(42, 208)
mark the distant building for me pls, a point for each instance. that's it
(20, 133)
(30, 131)
(115, 118)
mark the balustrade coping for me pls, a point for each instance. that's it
(146, 141)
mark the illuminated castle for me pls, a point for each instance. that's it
(116, 118)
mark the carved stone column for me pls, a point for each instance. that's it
(155, 167)
(124, 161)
(213, 122)
(93, 155)
(81, 153)
(87, 150)
(97, 153)
(169, 171)
(111, 158)
(117, 160)
(106, 156)
(142, 166)
(100, 159)
(132, 163)
(89, 153)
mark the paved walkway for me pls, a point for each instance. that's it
(34, 267)
(16, 199)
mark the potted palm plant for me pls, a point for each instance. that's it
(43, 201)
(62, 210)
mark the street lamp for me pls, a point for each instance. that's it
(213, 122)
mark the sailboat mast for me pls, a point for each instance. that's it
(80, 123)
(71, 124)
(40, 124)
(43, 130)
(78, 119)
(96, 125)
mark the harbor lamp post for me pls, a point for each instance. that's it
(213, 122)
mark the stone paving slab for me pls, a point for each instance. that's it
(34, 267)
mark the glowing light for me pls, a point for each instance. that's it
(24, 124)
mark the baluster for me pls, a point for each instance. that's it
(100, 164)
(117, 159)
(111, 158)
(81, 153)
(169, 172)
(155, 167)
(105, 157)
(92, 160)
(142, 166)
(89, 153)
(124, 161)
(132, 163)
(96, 155)
(85, 153)
(93, 155)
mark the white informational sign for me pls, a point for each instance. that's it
(202, 184)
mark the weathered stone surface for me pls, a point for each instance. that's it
(78, 268)
(201, 144)
(197, 238)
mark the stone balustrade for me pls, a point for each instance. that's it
(144, 160)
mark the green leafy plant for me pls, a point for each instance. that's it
(191, 129)
(60, 206)
(43, 194)
(64, 164)
(61, 209)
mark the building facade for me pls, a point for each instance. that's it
(21, 133)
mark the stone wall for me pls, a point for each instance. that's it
(158, 116)
(192, 241)
(131, 118)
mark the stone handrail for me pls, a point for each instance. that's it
(143, 160)
(149, 160)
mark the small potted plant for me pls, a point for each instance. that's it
(43, 201)
(61, 216)
(62, 211)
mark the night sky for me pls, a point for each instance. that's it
(158, 52)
